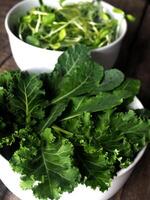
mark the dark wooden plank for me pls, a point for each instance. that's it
(4, 44)
(136, 8)
(3, 190)
(9, 64)
(139, 61)
(9, 196)
(117, 196)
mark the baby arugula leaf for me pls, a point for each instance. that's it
(75, 73)
(26, 98)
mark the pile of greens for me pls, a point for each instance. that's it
(86, 22)
(71, 126)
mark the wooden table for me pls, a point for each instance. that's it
(134, 61)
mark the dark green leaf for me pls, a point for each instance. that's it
(101, 102)
(112, 79)
(2, 92)
(75, 74)
(48, 19)
(55, 112)
(54, 170)
(26, 99)
(132, 86)
(95, 168)
(32, 40)
(6, 79)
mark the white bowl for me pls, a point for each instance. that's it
(32, 58)
(12, 179)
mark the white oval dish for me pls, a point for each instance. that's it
(12, 179)
(33, 58)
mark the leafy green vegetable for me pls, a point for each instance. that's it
(2, 91)
(112, 79)
(87, 23)
(129, 17)
(71, 77)
(71, 126)
(130, 85)
(96, 167)
(54, 173)
(27, 100)
(54, 113)
(101, 102)
(78, 76)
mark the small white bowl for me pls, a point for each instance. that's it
(33, 58)
(12, 179)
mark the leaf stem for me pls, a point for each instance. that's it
(38, 24)
(59, 29)
(41, 2)
(58, 130)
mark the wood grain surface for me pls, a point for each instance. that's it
(134, 60)
(137, 8)
(140, 62)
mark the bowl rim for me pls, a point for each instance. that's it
(104, 4)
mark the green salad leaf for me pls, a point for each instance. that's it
(72, 126)
(87, 23)
(78, 76)
(26, 101)
(54, 170)
(112, 79)
(95, 168)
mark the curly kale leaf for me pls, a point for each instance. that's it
(47, 169)
(80, 127)
(6, 79)
(123, 133)
(132, 127)
(95, 167)
(85, 133)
